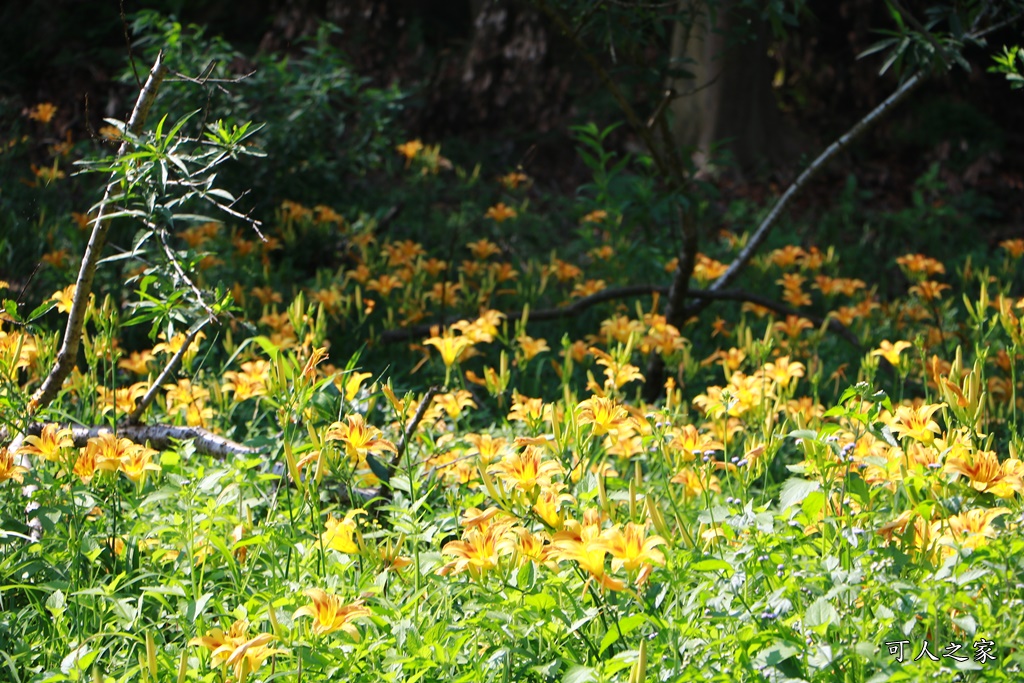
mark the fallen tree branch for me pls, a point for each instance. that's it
(745, 296)
(159, 436)
(568, 311)
(761, 234)
(67, 356)
(612, 293)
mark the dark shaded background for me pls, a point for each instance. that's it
(495, 79)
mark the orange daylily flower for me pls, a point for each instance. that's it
(500, 213)
(986, 474)
(631, 549)
(330, 614)
(8, 470)
(359, 438)
(603, 413)
(916, 422)
(527, 470)
(343, 534)
(51, 441)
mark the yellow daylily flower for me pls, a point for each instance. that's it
(330, 614)
(891, 352)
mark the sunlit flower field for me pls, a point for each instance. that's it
(433, 460)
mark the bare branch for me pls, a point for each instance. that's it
(162, 236)
(755, 242)
(159, 437)
(203, 80)
(253, 223)
(675, 307)
(761, 234)
(67, 356)
(613, 293)
(411, 427)
(385, 492)
(169, 369)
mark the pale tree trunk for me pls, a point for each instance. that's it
(729, 96)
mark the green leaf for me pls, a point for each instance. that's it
(41, 310)
(223, 194)
(11, 306)
(808, 434)
(160, 127)
(78, 660)
(835, 411)
(885, 433)
(526, 576)
(776, 654)
(625, 626)
(896, 15)
(56, 603)
(580, 674)
(854, 391)
(813, 503)
(378, 468)
(821, 613)
(268, 347)
(195, 608)
(895, 56)
(541, 602)
(181, 122)
(858, 488)
(967, 623)
(794, 491)
(713, 564)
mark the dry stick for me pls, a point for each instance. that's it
(158, 436)
(385, 492)
(671, 168)
(162, 237)
(169, 369)
(675, 307)
(67, 357)
(655, 367)
(761, 234)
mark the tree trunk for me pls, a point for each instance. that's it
(728, 104)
